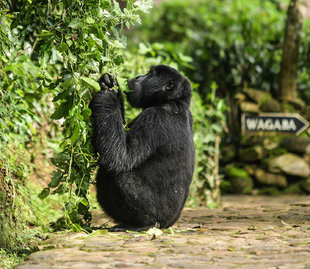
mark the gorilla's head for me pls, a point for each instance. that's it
(160, 85)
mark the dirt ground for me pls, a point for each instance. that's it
(248, 232)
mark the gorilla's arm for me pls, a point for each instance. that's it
(106, 83)
(120, 150)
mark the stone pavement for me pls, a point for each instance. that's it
(249, 232)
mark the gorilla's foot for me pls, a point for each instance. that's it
(124, 228)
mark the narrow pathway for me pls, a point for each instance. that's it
(249, 232)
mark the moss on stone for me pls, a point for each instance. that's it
(239, 181)
(272, 191)
(236, 172)
(293, 189)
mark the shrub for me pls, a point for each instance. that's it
(234, 43)
(67, 44)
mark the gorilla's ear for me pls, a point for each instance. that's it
(170, 85)
(185, 89)
(178, 90)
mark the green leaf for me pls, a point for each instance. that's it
(124, 41)
(84, 201)
(54, 55)
(63, 109)
(75, 216)
(89, 82)
(115, 32)
(76, 23)
(75, 134)
(32, 129)
(144, 5)
(119, 60)
(45, 34)
(70, 80)
(83, 206)
(86, 113)
(90, 20)
(63, 47)
(44, 193)
(56, 178)
(63, 95)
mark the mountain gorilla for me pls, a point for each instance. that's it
(144, 173)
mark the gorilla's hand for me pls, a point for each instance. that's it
(107, 97)
(108, 82)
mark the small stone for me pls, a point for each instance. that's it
(249, 107)
(251, 154)
(257, 96)
(240, 181)
(289, 164)
(270, 179)
(250, 169)
(252, 140)
(270, 144)
(239, 97)
(294, 188)
(305, 185)
(241, 185)
(228, 153)
(296, 144)
(271, 105)
(297, 103)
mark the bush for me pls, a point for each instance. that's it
(53, 51)
(77, 40)
(234, 43)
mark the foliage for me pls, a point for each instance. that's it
(234, 43)
(24, 218)
(21, 107)
(20, 79)
(69, 43)
(209, 124)
(8, 261)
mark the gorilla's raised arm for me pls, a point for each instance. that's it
(120, 150)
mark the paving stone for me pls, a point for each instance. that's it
(248, 232)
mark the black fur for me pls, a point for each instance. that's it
(144, 173)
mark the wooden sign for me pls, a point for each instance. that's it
(274, 122)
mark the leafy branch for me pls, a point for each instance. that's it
(76, 41)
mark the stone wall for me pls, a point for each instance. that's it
(267, 163)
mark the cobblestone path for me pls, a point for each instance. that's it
(249, 232)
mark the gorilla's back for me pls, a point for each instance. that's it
(156, 189)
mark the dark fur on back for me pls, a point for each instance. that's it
(144, 173)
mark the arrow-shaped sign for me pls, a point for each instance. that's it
(274, 122)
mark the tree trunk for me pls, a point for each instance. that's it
(289, 63)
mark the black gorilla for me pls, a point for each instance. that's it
(144, 173)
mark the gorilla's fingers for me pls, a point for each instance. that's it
(114, 81)
(103, 86)
(106, 79)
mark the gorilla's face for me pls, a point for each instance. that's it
(159, 86)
